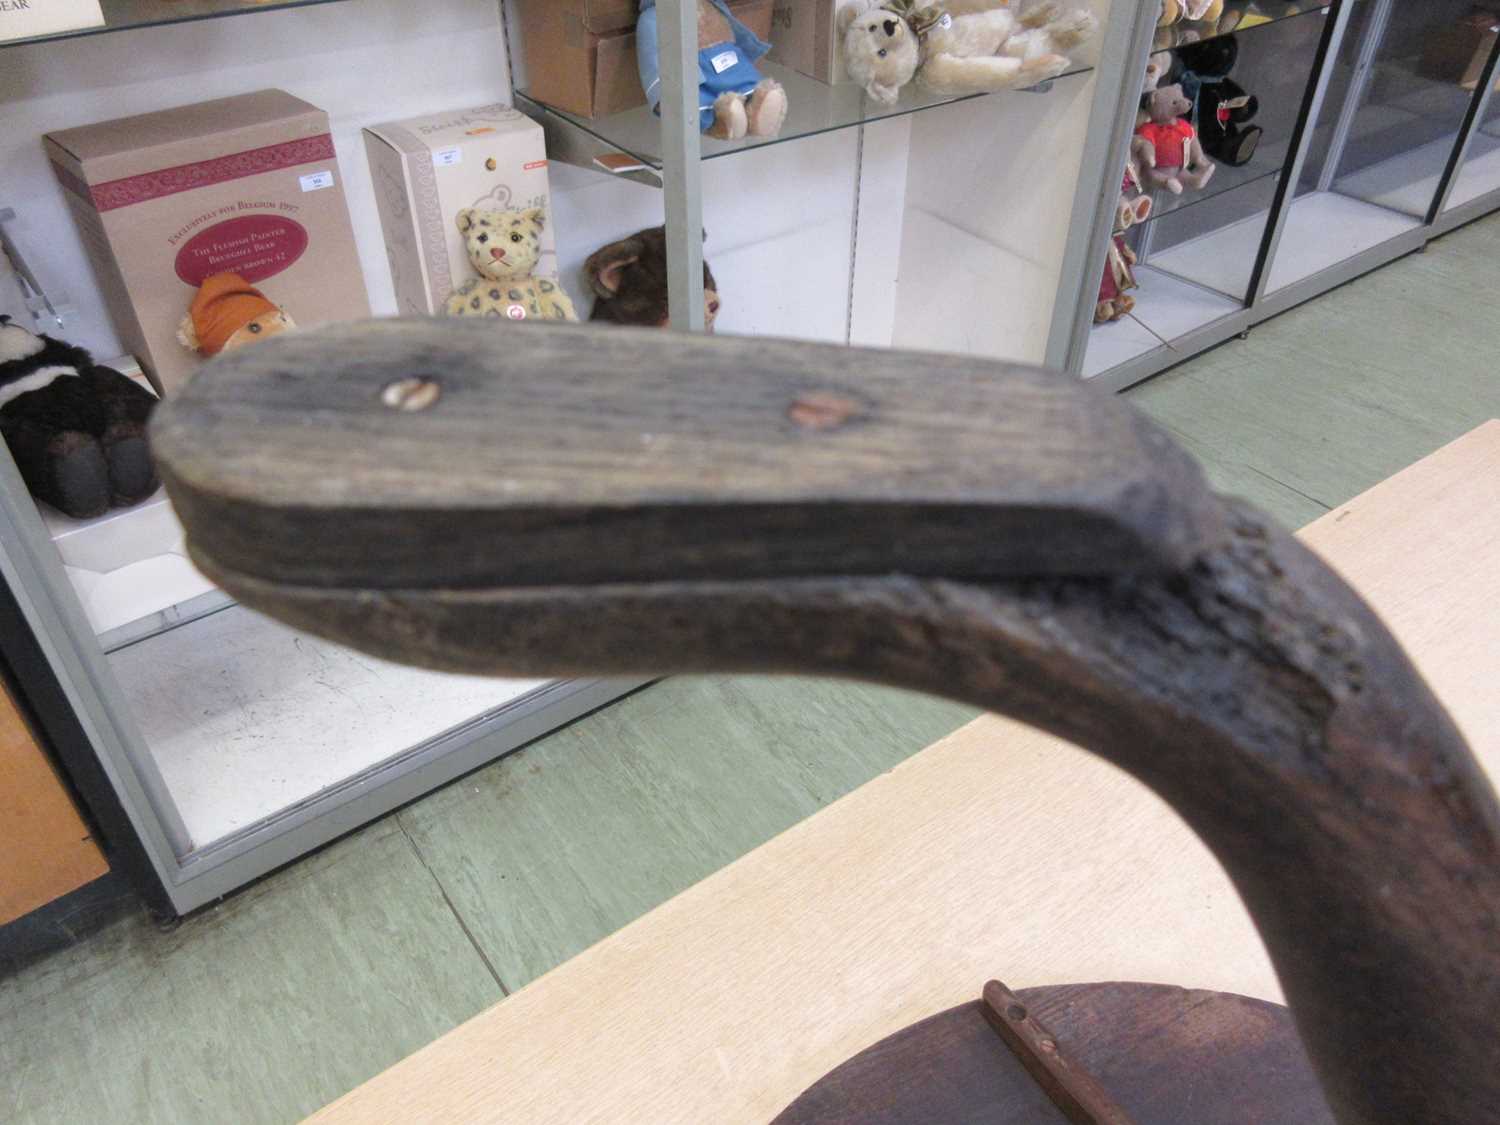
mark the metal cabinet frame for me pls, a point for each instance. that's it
(1260, 304)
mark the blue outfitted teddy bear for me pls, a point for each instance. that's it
(734, 99)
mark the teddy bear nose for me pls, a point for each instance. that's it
(497, 253)
(890, 27)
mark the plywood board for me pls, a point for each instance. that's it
(45, 848)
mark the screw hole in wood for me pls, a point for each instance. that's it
(822, 410)
(415, 393)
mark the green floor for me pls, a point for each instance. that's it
(281, 999)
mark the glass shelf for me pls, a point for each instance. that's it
(123, 15)
(1266, 14)
(1226, 180)
(816, 107)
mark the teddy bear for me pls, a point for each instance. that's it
(958, 47)
(629, 280)
(1222, 109)
(1189, 21)
(227, 313)
(1134, 207)
(1194, 11)
(77, 430)
(1166, 149)
(1119, 277)
(734, 99)
(504, 247)
(1114, 302)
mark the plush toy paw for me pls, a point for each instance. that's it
(766, 109)
(731, 123)
(1041, 14)
(1073, 29)
(1041, 68)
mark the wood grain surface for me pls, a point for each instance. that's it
(45, 848)
(687, 457)
(1136, 1054)
(997, 850)
(1247, 684)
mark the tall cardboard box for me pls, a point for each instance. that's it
(1458, 52)
(428, 169)
(247, 184)
(805, 37)
(580, 54)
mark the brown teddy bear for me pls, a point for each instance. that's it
(227, 313)
(958, 47)
(734, 99)
(629, 280)
(1166, 149)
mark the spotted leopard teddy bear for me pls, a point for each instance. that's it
(504, 247)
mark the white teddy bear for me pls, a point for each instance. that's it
(958, 46)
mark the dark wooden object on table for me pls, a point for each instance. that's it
(571, 501)
(1161, 1055)
(1069, 1086)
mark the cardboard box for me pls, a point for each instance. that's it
(1458, 53)
(24, 19)
(248, 184)
(580, 54)
(428, 169)
(805, 37)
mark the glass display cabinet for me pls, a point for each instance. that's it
(231, 744)
(227, 744)
(975, 225)
(1474, 187)
(1378, 133)
(1198, 252)
(1382, 142)
(946, 223)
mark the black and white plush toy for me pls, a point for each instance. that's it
(76, 430)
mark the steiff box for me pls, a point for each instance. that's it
(805, 37)
(428, 169)
(246, 185)
(23, 19)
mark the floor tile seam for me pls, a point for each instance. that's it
(458, 917)
(1327, 507)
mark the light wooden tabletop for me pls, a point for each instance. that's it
(996, 852)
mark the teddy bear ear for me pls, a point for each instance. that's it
(847, 15)
(605, 268)
(537, 216)
(465, 219)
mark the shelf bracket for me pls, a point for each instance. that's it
(46, 314)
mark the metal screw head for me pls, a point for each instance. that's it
(417, 392)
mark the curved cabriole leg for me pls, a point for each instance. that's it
(1234, 673)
